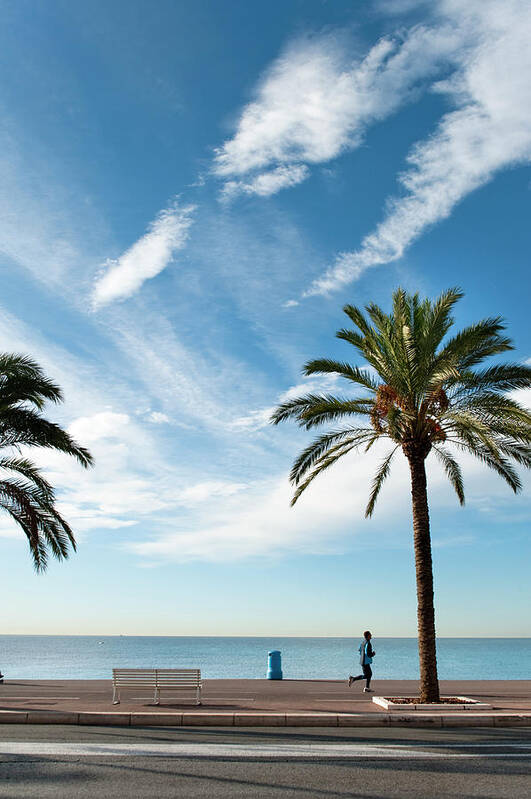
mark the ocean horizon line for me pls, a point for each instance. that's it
(265, 636)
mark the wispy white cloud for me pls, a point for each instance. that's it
(257, 419)
(9, 528)
(267, 182)
(105, 424)
(147, 257)
(258, 521)
(48, 225)
(199, 493)
(91, 518)
(156, 417)
(254, 420)
(316, 101)
(189, 386)
(490, 130)
(523, 396)
(262, 523)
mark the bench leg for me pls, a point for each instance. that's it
(198, 696)
(157, 696)
(115, 701)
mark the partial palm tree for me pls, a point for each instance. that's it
(25, 494)
(426, 393)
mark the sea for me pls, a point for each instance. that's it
(43, 657)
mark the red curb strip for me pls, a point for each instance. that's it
(393, 719)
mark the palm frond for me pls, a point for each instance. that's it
(499, 464)
(441, 375)
(375, 436)
(475, 343)
(28, 470)
(352, 373)
(502, 377)
(389, 345)
(353, 338)
(23, 426)
(468, 427)
(521, 453)
(378, 481)
(315, 409)
(16, 495)
(320, 466)
(503, 467)
(370, 344)
(357, 316)
(323, 444)
(23, 380)
(491, 408)
(37, 547)
(453, 471)
(43, 526)
(25, 494)
(437, 321)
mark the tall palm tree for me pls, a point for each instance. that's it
(24, 492)
(424, 392)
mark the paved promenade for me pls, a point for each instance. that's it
(258, 702)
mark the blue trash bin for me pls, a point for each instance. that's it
(274, 667)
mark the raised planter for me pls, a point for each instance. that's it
(456, 703)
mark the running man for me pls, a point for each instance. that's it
(366, 655)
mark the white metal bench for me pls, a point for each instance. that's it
(157, 679)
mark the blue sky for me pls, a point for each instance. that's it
(190, 193)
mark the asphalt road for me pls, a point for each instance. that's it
(52, 761)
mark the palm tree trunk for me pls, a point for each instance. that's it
(429, 684)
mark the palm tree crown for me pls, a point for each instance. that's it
(24, 492)
(420, 393)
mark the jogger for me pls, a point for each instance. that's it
(366, 655)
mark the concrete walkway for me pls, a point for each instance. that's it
(259, 703)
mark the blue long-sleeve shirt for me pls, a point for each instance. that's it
(366, 653)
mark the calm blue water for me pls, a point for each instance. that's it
(91, 657)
